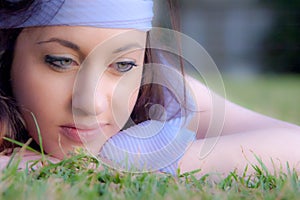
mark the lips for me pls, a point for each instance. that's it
(81, 134)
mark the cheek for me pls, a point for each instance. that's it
(124, 96)
(27, 84)
(27, 90)
(133, 99)
(39, 92)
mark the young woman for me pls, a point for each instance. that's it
(89, 74)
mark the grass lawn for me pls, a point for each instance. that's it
(73, 179)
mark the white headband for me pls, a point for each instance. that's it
(136, 14)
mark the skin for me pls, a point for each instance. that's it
(79, 94)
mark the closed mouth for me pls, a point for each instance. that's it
(80, 134)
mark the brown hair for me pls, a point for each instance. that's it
(11, 123)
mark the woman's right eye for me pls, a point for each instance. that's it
(60, 63)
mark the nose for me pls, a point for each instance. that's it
(90, 93)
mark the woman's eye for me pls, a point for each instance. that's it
(60, 62)
(123, 66)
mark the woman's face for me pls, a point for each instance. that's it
(80, 83)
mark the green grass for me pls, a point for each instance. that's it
(74, 179)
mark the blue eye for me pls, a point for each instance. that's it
(60, 62)
(123, 66)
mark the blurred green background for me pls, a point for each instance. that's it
(273, 95)
(255, 45)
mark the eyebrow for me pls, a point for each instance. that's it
(127, 47)
(62, 42)
(75, 47)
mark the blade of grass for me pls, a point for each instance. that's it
(40, 137)
(20, 144)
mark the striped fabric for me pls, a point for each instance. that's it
(136, 151)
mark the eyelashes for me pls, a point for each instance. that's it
(123, 66)
(60, 63)
(65, 63)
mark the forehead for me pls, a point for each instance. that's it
(86, 38)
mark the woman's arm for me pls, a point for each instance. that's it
(275, 147)
(245, 134)
(236, 118)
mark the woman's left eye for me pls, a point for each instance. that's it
(123, 66)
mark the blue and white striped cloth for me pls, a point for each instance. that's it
(136, 151)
